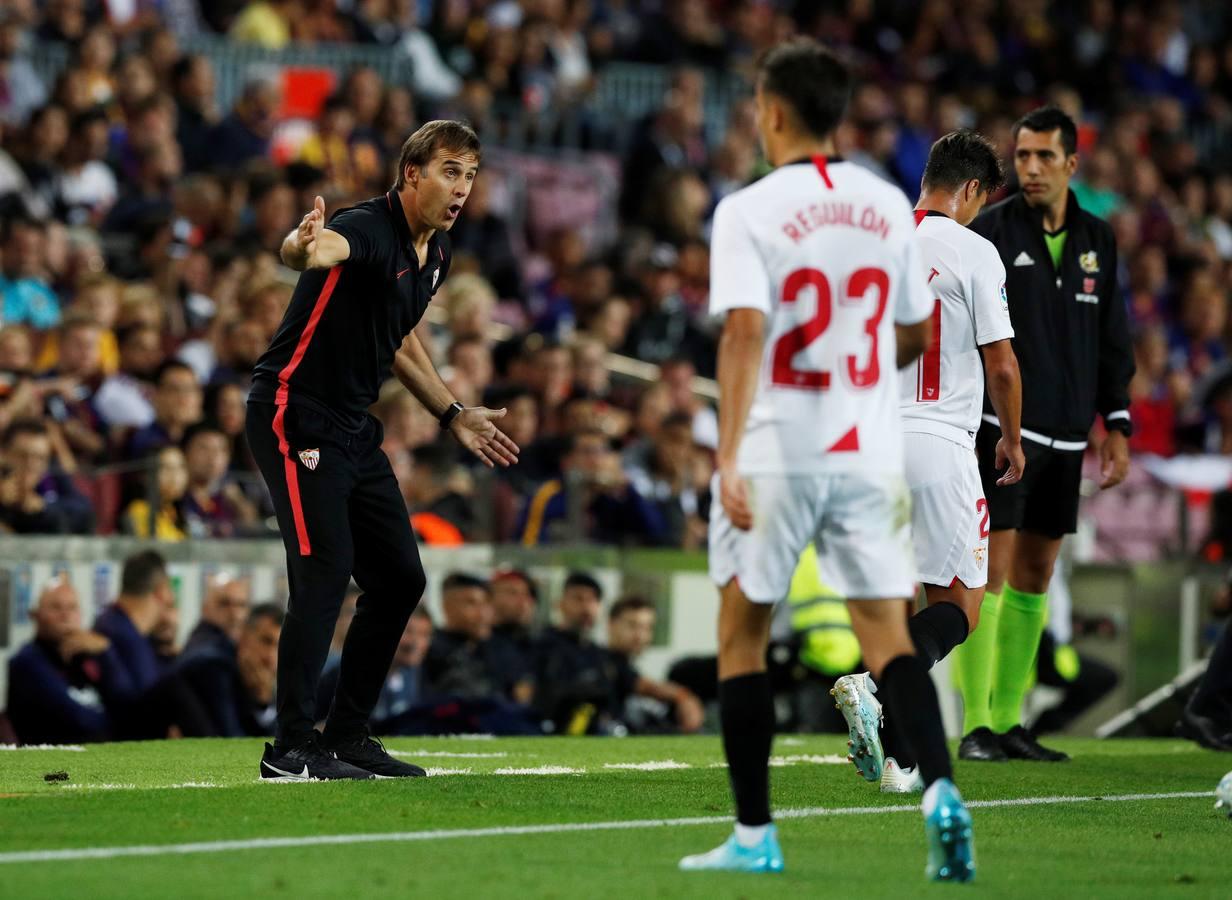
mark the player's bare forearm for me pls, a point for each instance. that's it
(740, 350)
(1004, 387)
(413, 367)
(312, 245)
(910, 341)
(294, 253)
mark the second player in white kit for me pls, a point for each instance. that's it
(942, 397)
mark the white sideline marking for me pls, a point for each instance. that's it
(433, 772)
(133, 787)
(23, 856)
(828, 759)
(449, 753)
(654, 765)
(68, 748)
(541, 770)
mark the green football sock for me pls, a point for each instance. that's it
(973, 661)
(1018, 635)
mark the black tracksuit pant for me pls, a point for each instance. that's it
(341, 515)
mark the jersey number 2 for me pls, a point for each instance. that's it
(784, 373)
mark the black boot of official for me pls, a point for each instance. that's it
(981, 745)
(308, 761)
(1210, 733)
(369, 753)
(1018, 743)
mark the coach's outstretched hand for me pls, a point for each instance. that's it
(474, 430)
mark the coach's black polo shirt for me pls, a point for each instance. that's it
(337, 341)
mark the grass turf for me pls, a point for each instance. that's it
(1147, 849)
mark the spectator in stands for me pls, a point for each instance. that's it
(223, 614)
(123, 399)
(670, 138)
(145, 591)
(1154, 394)
(515, 604)
(575, 679)
(462, 661)
(61, 683)
(612, 509)
(33, 498)
(25, 287)
(196, 114)
(245, 133)
(85, 187)
(642, 703)
(71, 385)
(663, 328)
(439, 495)
(678, 374)
(166, 637)
(177, 404)
(21, 91)
(214, 505)
(232, 694)
(487, 236)
(667, 480)
(171, 485)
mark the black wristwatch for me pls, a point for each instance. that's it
(450, 414)
(1122, 424)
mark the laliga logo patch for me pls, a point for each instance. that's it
(1005, 300)
(1089, 262)
(436, 274)
(310, 458)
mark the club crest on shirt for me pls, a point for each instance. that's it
(1005, 300)
(310, 458)
(979, 556)
(1089, 262)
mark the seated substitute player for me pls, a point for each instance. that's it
(817, 269)
(940, 399)
(367, 279)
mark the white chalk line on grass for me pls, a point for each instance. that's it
(67, 748)
(450, 753)
(81, 853)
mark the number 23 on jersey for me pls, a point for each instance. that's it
(862, 367)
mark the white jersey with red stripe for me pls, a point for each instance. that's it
(943, 393)
(828, 251)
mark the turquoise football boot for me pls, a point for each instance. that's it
(853, 695)
(731, 857)
(951, 845)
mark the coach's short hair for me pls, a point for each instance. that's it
(439, 134)
(960, 156)
(811, 79)
(1051, 118)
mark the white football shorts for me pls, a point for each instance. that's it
(861, 524)
(949, 515)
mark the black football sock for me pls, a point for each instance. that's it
(746, 711)
(911, 700)
(938, 629)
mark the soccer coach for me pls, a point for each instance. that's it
(368, 277)
(1073, 348)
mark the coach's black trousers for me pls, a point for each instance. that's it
(341, 515)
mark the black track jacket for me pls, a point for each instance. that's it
(1071, 331)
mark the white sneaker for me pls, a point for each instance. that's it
(897, 780)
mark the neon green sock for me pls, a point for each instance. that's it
(1018, 636)
(973, 661)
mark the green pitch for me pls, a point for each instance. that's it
(848, 841)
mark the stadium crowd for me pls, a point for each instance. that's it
(139, 275)
(489, 665)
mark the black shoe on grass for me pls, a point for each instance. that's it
(308, 762)
(1018, 743)
(370, 754)
(981, 745)
(1207, 732)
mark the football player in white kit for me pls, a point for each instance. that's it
(941, 398)
(817, 270)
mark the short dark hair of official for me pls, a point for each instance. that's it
(583, 580)
(143, 572)
(628, 603)
(266, 611)
(960, 156)
(814, 82)
(455, 580)
(1051, 118)
(439, 134)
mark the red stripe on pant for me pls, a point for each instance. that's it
(284, 389)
